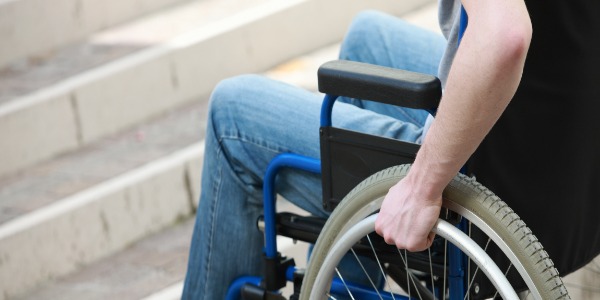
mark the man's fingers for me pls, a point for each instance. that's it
(411, 240)
(378, 226)
(430, 239)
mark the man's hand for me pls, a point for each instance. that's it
(407, 217)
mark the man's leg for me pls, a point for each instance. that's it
(250, 121)
(384, 40)
(225, 243)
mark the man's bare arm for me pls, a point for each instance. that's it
(484, 76)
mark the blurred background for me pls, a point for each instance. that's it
(102, 118)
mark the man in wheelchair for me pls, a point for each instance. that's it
(540, 153)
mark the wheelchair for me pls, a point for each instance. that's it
(483, 249)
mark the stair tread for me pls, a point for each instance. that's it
(148, 265)
(26, 76)
(48, 182)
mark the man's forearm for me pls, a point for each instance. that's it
(484, 77)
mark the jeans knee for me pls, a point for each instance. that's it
(223, 101)
(230, 94)
(361, 30)
(232, 89)
(233, 100)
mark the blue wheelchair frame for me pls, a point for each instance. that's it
(457, 262)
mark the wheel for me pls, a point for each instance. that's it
(486, 214)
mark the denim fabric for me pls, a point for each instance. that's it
(251, 119)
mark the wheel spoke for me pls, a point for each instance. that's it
(445, 268)
(344, 283)
(431, 271)
(505, 273)
(380, 267)
(476, 270)
(366, 273)
(409, 277)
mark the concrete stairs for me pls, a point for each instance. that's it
(102, 117)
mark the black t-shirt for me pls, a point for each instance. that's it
(543, 155)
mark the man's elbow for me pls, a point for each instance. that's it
(511, 39)
(515, 41)
(503, 25)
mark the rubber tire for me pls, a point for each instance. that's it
(462, 191)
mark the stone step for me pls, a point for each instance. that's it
(35, 28)
(147, 268)
(73, 210)
(126, 75)
(150, 269)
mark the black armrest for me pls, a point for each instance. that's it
(381, 84)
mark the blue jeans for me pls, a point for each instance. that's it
(252, 119)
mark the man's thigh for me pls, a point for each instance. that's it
(256, 118)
